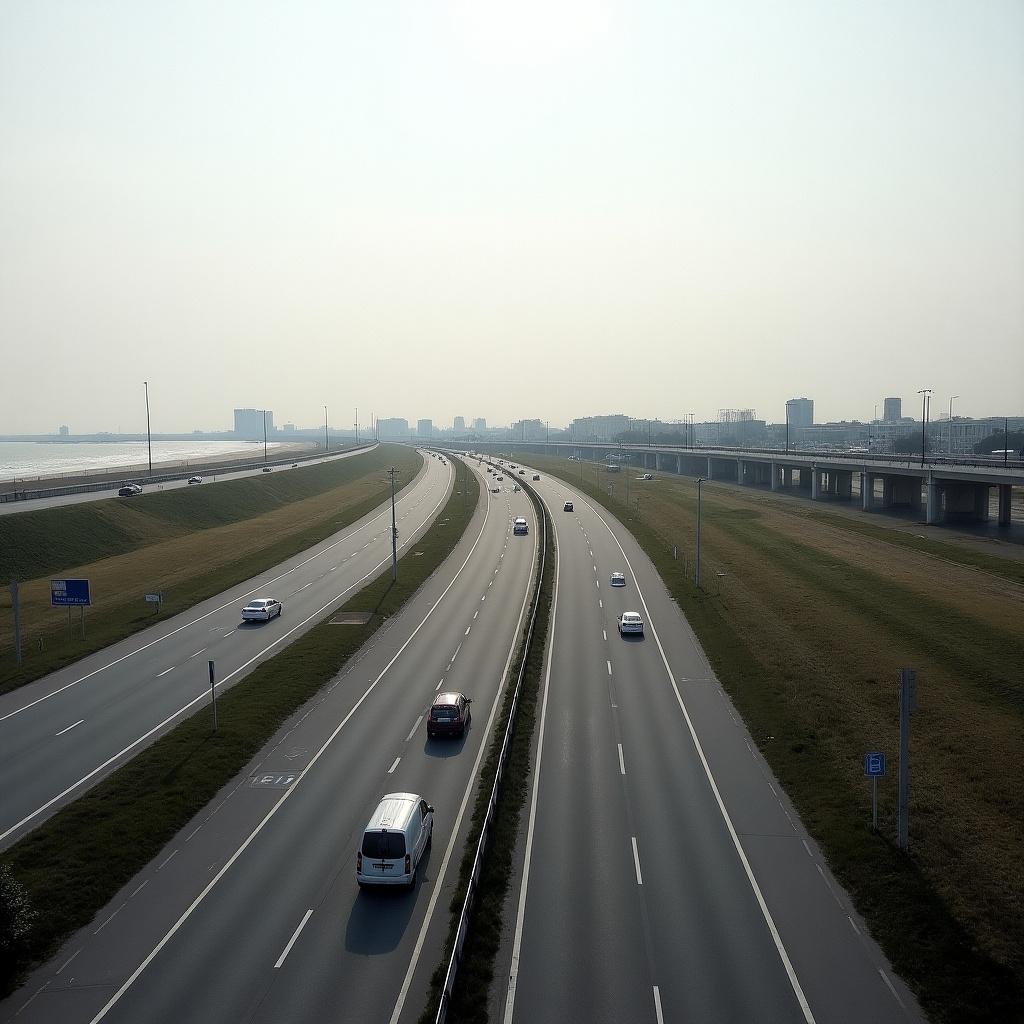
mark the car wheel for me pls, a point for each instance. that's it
(430, 836)
(412, 881)
(280, 609)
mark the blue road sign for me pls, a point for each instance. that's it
(64, 593)
(874, 764)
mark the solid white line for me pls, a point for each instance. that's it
(412, 731)
(622, 764)
(291, 942)
(421, 938)
(133, 977)
(609, 664)
(517, 941)
(165, 671)
(70, 727)
(636, 862)
(204, 693)
(394, 765)
(657, 1006)
(196, 655)
(740, 852)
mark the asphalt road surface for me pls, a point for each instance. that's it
(64, 732)
(252, 912)
(664, 875)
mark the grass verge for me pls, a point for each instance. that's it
(189, 544)
(73, 864)
(806, 620)
(483, 938)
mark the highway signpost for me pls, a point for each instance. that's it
(213, 694)
(69, 594)
(155, 599)
(874, 768)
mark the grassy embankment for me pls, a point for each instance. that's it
(76, 861)
(189, 543)
(807, 616)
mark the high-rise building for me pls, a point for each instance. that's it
(479, 423)
(459, 423)
(800, 412)
(893, 410)
(393, 427)
(64, 431)
(424, 428)
(249, 423)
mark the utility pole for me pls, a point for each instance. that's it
(264, 435)
(1006, 440)
(787, 428)
(925, 394)
(357, 424)
(700, 480)
(394, 529)
(327, 441)
(149, 435)
(951, 397)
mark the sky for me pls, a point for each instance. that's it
(546, 209)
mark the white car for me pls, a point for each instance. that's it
(630, 622)
(195, 479)
(618, 579)
(262, 609)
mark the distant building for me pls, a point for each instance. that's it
(800, 412)
(394, 427)
(249, 423)
(893, 410)
(599, 428)
(424, 428)
(528, 430)
(289, 428)
(63, 430)
(479, 423)
(459, 424)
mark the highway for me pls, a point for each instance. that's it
(686, 886)
(56, 500)
(252, 912)
(65, 731)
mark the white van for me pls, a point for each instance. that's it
(394, 840)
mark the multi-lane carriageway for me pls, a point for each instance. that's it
(662, 875)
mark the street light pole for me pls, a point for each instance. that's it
(787, 428)
(394, 529)
(700, 480)
(149, 435)
(264, 435)
(327, 440)
(951, 397)
(925, 394)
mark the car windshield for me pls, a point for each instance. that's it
(384, 845)
(258, 604)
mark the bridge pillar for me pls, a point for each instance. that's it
(981, 503)
(1005, 492)
(806, 479)
(842, 483)
(867, 491)
(679, 465)
(775, 477)
(815, 483)
(932, 507)
(711, 469)
(740, 476)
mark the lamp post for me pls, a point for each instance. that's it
(787, 428)
(327, 440)
(264, 435)
(149, 435)
(700, 480)
(951, 397)
(925, 394)
(394, 529)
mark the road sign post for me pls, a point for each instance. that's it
(70, 594)
(908, 705)
(156, 599)
(213, 694)
(874, 768)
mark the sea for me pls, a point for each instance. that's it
(28, 460)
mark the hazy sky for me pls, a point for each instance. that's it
(546, 208)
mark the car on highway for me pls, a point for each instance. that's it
(500, 477)
(630, 622)
(195, 479)
(449, 715)
(128, 490)
(647, 476)
(262, 609)
(495, 489)
(522, 472)
(295, 465)
(567, 507)
(618, 579)
(266, 469)
(536, 476)
(520, 525)
(395, 838)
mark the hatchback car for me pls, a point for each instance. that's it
(630, 622)
(618, 579)
(567, 507)
(449, 715)
(195, 479)
(262, 609)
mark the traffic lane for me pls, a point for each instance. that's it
(331, 858)
(31, 504)
(145, 695)
(582, 858)
(840, 968)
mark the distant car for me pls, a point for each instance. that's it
(522, 472)
(262, 609)
(266, 469)
(449, 715)
(129, 489)
(567, 507)
(536, 476)
(618, 579)
(630, 622)
(500, 477)
(515, 490)
(295, 465)
(520, 526)
(495, 489)
(647, 476)
(195, 479)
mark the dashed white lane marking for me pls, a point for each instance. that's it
(412, 731)
(622, 764)
(636, 862)
(468, 628)
(484, 598)
(332, 568)
(66, 962)
(600, 603)
(439, 685)
(889, 985)
(609, 664)
(111, 918)
(291, 941)
(604, 633)
(192, 834)
(657, 1006)
(229, 633)
(475, 614)
(166, 861)
(595, 568)
(807, 849)
(597, 583)
(394, 765)
(491, 584)
(853, 924)
(138, 889)
(196, 655)
(456, 654)
(70, 727)
(165, 671)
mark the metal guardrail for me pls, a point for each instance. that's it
(492, 803)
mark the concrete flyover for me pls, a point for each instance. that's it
(943, 490)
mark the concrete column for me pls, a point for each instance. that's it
(739, 472)
(815, 483)
(981, 503)
(806, 479)
(711, 470)
(867, 491)
(844, 483)
(679, 465)
(1005, 492)
(932, 515)
(775, 477)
